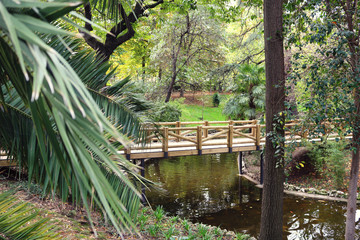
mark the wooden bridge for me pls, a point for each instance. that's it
(170, 139)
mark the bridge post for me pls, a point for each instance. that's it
(261, 168)
(206, 131)
(178, 132)
(253, 131)
(240, 163)
(128, 153)
(230, 138)
(258, 136)
(199, 139)
(165, 143)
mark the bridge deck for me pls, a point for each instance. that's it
(172, 139)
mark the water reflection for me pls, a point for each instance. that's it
(207, 189)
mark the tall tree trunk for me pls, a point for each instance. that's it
(143, 64)
(160, 74)
(172, 82)
(252, 105)
(353, 43)
(182, 89)
(272, 197)
(354, 173)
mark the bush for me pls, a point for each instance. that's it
(166, 112)
(336, 164)
(329, 160)
(216, 100)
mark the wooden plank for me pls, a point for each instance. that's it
(166, 140)
(245, 126)
(7, 163)
(183, 153)
(215, 127)
(206, 131)
(182, 137)
(199, 138)
(258, 135)
(230, 137)
(244, 148)
(182, 128)
(215, 135)
(178, 125)
(147, 155)
(186, 132)
(244, 134)
(215, 150)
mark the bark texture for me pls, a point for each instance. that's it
(354, 174)
(272, 198)
(350, 15)
(121, 32)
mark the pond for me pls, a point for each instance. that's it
(208, 189)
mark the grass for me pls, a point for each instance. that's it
(205, 111)
(72, 224)
(193, 113)
(160, 226)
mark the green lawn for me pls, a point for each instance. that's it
(191, 113)
(199, 113)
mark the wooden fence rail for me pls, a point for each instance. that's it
(205, 137)
(165, 139)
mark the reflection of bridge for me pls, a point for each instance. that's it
(170, 139)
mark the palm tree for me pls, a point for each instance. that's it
(249, 97)
(56, 122)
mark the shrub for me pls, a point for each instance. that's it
(166, 112)
(216, 100)
(336, 164)
(329, 160)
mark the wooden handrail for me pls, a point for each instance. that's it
(184, 138)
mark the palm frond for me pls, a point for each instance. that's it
(18, 221)
(68, 136)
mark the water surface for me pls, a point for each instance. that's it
(208, 189)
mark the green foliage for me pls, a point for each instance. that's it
(330, 159)
(241, 236)
(249, 88)
(216, 100)
(170, 232)
(55, 119)
(166, 112)
(19, 221)
(196, 113)
(154, 229)
(159, 213)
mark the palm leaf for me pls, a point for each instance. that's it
(66, 137)
(18, 221)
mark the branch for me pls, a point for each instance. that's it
(249, 29)
(93, 43)
(88, 15)
(112, 40)
(130, 33)
(249, 58)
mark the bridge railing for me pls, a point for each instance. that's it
(197, 135)
(204, 133)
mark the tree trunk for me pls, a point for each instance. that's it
(143, 64)
(354, 173)
(252, 105)
(182, 89)
(174, 73)
(272, 197)
(160, 74)
(171, 86)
